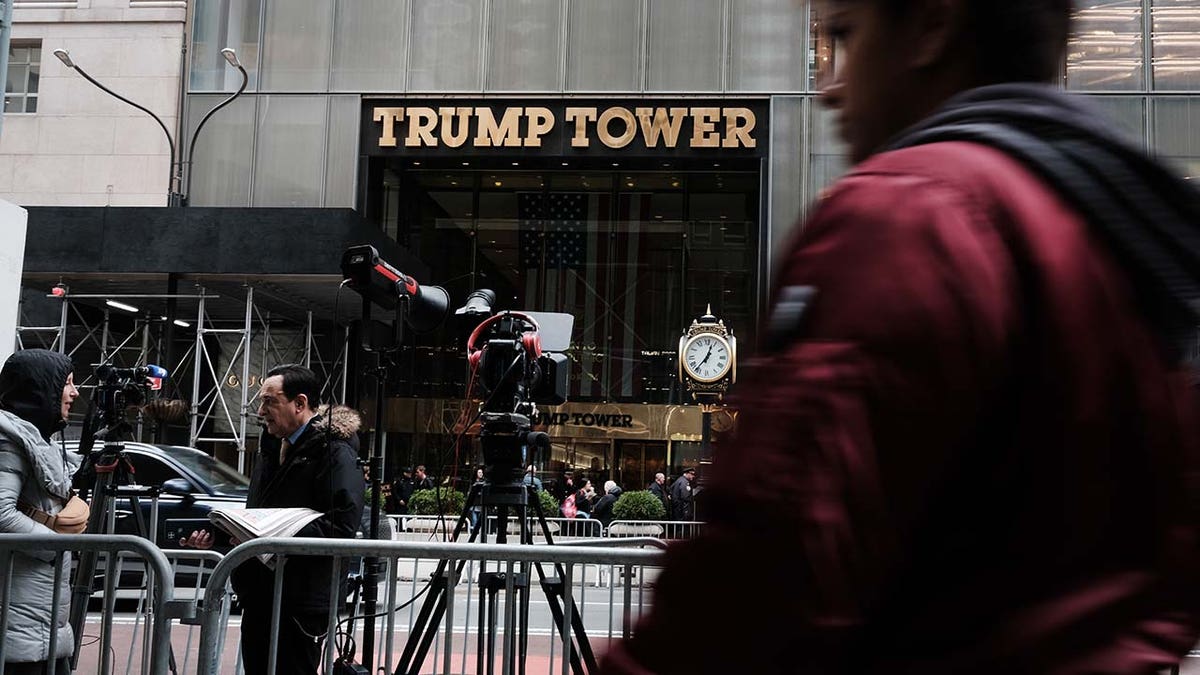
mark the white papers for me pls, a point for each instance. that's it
(247, 524)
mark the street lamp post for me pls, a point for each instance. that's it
(174, 178)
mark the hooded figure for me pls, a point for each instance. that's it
(35, 393)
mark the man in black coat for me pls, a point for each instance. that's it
(682, 506)
(307, 458)
(658, 488)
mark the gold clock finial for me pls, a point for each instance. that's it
(708, 309)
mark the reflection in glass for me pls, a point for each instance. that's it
(633, 256)
(1106, 52)
(1177, 133)
(1175, 27)
(215, 26)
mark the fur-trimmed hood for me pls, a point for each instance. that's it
(344, 422)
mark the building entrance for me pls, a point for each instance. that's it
(637, 461)
(633, 255)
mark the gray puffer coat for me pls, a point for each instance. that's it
(36, 471)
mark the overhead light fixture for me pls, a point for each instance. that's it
(120, 305)
(181, 323)
(64, 56)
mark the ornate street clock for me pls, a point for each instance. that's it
(708, 358)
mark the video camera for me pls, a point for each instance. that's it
(517, 362)
(120, 388)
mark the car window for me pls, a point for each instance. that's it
(150, 471)
(221, 478)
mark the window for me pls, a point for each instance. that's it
(24, 71)
(150, 471)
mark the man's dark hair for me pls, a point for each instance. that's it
(1013, 40)
(299, 380)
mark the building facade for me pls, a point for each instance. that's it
(627, 163)
(65, 142)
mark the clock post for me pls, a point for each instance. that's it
(707, 367)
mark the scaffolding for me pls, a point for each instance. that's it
(221, 408)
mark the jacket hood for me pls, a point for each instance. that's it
(342, 421)
(31, 386)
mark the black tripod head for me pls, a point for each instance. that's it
(507, 439)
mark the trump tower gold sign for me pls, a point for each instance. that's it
(574, 127)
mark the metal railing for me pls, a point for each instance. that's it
(629, 568)
(159, 609)
(414, 528)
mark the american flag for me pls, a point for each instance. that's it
(553, 230)
(580, 259)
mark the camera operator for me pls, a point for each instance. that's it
(307, 458)
(37, 389)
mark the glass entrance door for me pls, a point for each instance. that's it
(637, 462)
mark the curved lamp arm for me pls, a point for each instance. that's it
(65, 56)
(231, 57)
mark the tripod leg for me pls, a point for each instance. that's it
(421, 633)
(85, 573)
(555, 590)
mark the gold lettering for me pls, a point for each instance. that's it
(738, 135)
(421, 123)
(449, 138)
(704, 127)
(580, 116)
(541, 120)
(389, 117)
(507, 133)
(607, 117)
(664, 123)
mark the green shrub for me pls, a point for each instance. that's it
(549, 504)
(639, 505)
(425, 502)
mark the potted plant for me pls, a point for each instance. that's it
(639, 505)
(427, 502)
(549, 509)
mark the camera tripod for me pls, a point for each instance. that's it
(500, 496)
(112, 469)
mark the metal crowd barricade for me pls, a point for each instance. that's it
(452, 635)
(160, 607)
(662, 529)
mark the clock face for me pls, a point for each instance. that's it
(706, 357)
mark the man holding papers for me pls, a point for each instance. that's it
(308, 458)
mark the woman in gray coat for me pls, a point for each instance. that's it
(36, 391)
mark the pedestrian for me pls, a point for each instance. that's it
(659, 489)
(971, 382)
(531, 477)
(420, 480)
(604, 507)
(476, 511)
(37, 388)
(683, 506)
(402, 489)
(306, 459)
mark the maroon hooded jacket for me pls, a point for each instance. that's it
(974, 458)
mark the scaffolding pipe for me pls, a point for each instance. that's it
(143, 357)
(196, 370)
(308, 339)
(104, 338)
(245, 388)
(345, 362)
(62, 327)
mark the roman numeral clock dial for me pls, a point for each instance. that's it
(707, 358)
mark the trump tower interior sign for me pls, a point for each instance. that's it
(575, 127)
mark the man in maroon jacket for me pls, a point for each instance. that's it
(972, 375)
